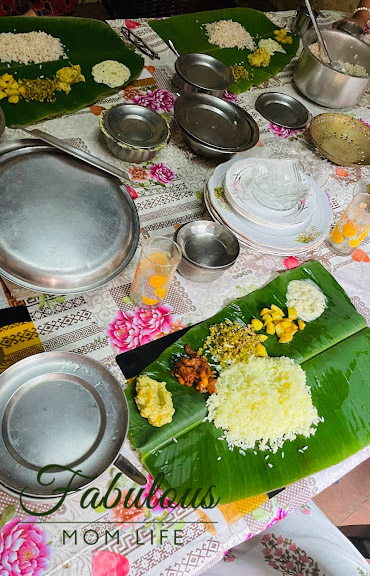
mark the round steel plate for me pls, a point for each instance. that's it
(58, 408)
(65, 226)
(204, 71)
(282, 110)
(136, 126)
(215, 122)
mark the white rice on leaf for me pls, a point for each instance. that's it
(264, 401)
(30, 47)
(229, 34)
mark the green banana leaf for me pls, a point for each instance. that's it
(189, 35)
(334, 352)
(86, 42)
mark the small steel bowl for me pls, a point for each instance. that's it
(208, 249)
(342, 139)
(2, 122)
(134, 133)
(202, 73)
(213, 127)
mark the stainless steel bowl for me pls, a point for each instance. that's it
(2, 123)
(208, 249)
(350, 28)
(202, 73)
(213, 127)
(134, 133)
(322, 84)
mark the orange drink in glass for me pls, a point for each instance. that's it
(158, 261)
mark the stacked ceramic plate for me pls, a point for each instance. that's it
(267, 223)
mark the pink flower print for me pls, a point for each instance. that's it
(24, 550)
(291, 262)
(132, 24)
(272, 563)
(280, 540)
(278, 552)
(138, 174)
(154, 501)
(304, 559)
(105, 563)
(266, 538)
(160, 101)
(281, 132)
(230, 97)
(267, 551)
(279, 515)
(130, 329)
(161, 173)
(289, 565)
(292, 547)
(125, 516)
(130, 92)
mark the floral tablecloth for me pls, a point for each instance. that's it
(103, 323)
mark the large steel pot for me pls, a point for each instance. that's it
(322, 84)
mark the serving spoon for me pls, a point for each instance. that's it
(334, 65)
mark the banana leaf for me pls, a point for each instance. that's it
(189, 35)
(86, 42)
(334, 352)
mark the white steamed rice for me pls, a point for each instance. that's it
(229, 34)
(30, 47)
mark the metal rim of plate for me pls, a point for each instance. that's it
(204, 71)
(136, 126)
(2, 122)
(212, 109)
(66, 227)
(273, 105)
(58, 408)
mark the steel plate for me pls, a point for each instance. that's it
(65, 226)
(204, 71)
(215, 122)
(282, 110)
(136, 126)
(58, 408)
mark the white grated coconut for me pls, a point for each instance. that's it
(264, 401)
(229, 34)
(30, 47)
(271, 46)
(306, 298)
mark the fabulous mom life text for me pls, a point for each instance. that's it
(112, 497)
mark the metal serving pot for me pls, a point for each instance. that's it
(322, 84)
(63, 410)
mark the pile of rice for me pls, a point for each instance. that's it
(30, 47)
(229, 34)
(351, 69)
(264, 401)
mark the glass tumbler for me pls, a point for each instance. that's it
(279, 184)
(353, 226)
(158, 261)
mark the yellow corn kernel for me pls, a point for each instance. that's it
(292, 313)
(11, 92)
(3, 84)
(270, 328)
(292, 329)
(301, 324)
(257, 324)
(265, 311)
(6, 77)
(285, 338)
(266, 318)
(286, 323)
(22, 90)
(261, 350)
(13, 99)
(277, 309)
(276, 316)
(279, 330)
(14, 85)
(262, 337)
(2, 94)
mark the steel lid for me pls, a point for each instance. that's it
(204, 71)
(65, 226)
(135, 126)
(282, 110)
(63, 409)
(215, 122)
